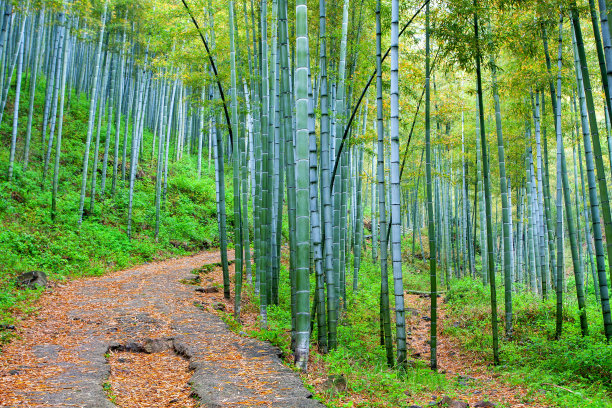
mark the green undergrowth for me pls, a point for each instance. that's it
(359, 358)
(568, 372)
(30, 240)
(362, 360)
(571, 371)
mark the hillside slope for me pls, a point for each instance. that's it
(30, 240)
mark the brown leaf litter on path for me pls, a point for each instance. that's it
(148, 318)
(458, 364)
(150, 380)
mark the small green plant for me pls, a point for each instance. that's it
(108, 389)
(230, 321)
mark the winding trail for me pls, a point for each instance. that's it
(473, 378)
(62, 356)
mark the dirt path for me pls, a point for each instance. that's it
(475, 381)
(140, 324)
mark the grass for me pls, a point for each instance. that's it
(30, 240)
(359, 358)
(570, 372)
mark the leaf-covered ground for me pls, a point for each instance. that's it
(472, 378)
(61, 356)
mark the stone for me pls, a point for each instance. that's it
(219, 306)
(448, 402)
(335, 384)
(208, 289)
(32, 280)
(156, 345)
(132, 347)
(181, 245)
(48, 352)
(191, 280)
(7, 327)
(113, 346)
(78, 381)
(484, 404)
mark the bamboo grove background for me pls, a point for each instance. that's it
(343, 125)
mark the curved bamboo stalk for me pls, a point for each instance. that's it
(363, 93)
(214, 68)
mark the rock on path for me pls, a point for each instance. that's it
(59, 361)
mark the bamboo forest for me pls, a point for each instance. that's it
(305, 203)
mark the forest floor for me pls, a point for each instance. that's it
(474, 379)
(142, 337)
(470, 379)
(145, 337)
